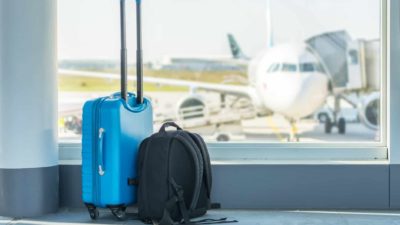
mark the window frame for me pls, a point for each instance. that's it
(256, 152)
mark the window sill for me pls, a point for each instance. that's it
(228, 153)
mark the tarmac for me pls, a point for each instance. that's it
(272, 128)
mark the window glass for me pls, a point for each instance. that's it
(311, 67)
(286, 67)
(353, 54)
(273, 68)
(202, 67)
(307, 67)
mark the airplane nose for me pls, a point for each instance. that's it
(295, 95)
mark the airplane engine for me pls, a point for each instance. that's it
(369, 111)
(192, 111)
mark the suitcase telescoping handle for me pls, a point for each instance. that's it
(139, 54)
(124, 64)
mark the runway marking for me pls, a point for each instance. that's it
(275, 129)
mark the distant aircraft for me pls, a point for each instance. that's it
(288, 79)
(235, 49)
(234, 62)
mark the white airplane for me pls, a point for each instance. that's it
(288, 79)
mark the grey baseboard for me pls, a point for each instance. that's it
(302, 186)
(29, 192)
(278, 186)
(395, 186)
(71, 186)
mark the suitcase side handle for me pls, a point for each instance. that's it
(102, 169)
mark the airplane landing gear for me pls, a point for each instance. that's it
(223, 137)
(328, 125)
(340, 124)
(293, 137)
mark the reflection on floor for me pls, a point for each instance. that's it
(245, 217)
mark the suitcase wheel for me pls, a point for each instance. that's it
(119, 212)
(93, 212)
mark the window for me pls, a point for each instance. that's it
(353, 54)
(310, 67)
(307, 67)
(289, 67)
(313, 36)
(273, 68)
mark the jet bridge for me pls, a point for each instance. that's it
(354, 65)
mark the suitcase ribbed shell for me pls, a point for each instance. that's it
(124, 128)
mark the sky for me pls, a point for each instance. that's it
(89, 29)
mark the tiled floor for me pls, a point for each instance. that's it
(245, 217)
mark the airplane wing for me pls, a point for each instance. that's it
(237, 90)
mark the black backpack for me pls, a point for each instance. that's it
(174, 176)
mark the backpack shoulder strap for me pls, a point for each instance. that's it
(170, 204)
(206, 160)
(189, 143)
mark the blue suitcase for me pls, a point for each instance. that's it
(113, 128)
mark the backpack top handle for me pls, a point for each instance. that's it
(169, 124)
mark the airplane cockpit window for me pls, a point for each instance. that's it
(287, 67)
(215, 80)
(307, 67)
(311, 67)
(273, 68)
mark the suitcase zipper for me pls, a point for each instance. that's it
(97, 189)
(93, 128)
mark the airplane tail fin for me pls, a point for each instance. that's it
(235, 49)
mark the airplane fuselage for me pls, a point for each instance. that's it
(289, 80)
